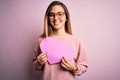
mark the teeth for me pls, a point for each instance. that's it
(56, 23)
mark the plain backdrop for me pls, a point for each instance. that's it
(96, 22)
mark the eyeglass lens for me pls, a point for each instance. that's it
(58, 14)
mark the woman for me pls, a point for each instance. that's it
(57, 25)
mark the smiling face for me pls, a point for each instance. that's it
(57, 17)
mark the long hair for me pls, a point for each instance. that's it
(47, 26)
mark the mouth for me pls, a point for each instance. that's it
(56, 23)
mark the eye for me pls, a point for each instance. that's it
(51, 14)
(60, 14)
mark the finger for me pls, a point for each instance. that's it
(65, 63)
(68, 61)
(63, 66)
(65, 60)
(42, 56)
(44, 59)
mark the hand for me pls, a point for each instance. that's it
(68, 65)
(42, 58)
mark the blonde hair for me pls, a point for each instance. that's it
(47, 26)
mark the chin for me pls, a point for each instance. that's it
(57, 27)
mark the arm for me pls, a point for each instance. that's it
(80, 63)
(81, 60)
(37, 51)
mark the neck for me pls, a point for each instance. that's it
(59, 32)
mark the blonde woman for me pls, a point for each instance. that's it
(57, 25)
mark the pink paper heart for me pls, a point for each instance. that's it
(56, 50)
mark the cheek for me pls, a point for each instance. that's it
(64, 20)
(51, 22)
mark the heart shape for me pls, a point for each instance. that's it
(56, 50)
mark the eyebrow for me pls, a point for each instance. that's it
(57, 12)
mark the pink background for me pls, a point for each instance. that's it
(96, 22)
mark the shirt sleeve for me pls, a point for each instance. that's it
(81, 60)
(36, 53)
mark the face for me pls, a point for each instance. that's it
(57, 17)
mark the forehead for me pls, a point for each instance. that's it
(57, 8)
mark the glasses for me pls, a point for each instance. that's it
(58, 14)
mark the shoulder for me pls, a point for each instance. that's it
(40, 39)
(75, 37)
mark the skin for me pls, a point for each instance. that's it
(59, 29)
(58, 23)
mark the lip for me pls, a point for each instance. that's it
(56, 23)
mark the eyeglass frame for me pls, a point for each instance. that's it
(56, 14)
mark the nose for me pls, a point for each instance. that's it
(55, 16)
